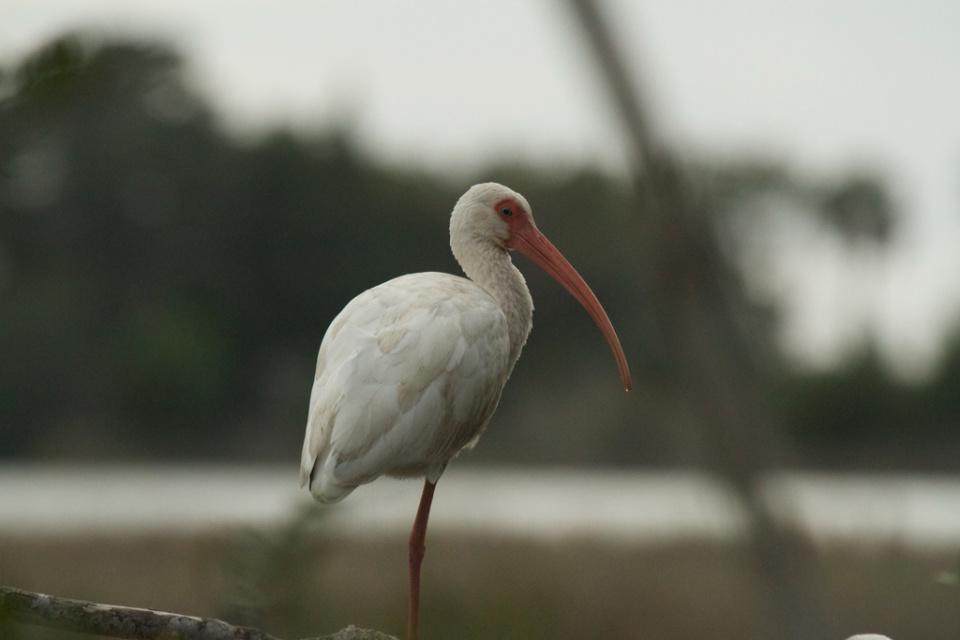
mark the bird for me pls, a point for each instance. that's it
(410, 372)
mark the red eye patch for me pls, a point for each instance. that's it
(508, 208)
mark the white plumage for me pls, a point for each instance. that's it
(408, 374)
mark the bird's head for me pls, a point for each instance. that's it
(491, 213)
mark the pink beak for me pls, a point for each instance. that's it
(530, 242)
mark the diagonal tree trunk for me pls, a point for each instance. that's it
(700, 307)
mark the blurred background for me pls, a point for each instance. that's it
(765, 196)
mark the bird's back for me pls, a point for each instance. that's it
(408, 374)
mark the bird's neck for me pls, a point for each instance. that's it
(490, 267)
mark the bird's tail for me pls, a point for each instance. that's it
(323, 486)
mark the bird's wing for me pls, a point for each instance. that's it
(407, 375)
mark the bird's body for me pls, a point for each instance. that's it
(410, 372)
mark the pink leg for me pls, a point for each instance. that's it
(417, 547)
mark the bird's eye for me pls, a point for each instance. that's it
(506, 211)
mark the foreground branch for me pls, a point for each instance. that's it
(80, 616)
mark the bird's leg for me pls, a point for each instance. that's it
(417, 547)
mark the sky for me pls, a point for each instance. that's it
(825, 86)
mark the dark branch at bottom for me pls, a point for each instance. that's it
(80, 616)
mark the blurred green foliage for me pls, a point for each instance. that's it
(859, 411)
(164, 286)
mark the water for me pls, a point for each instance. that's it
(622, 507)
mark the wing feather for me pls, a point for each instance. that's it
(407, 375)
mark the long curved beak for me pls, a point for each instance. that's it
(530, 242)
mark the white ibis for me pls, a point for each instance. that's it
(410, 372)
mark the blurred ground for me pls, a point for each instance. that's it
(481, 587)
